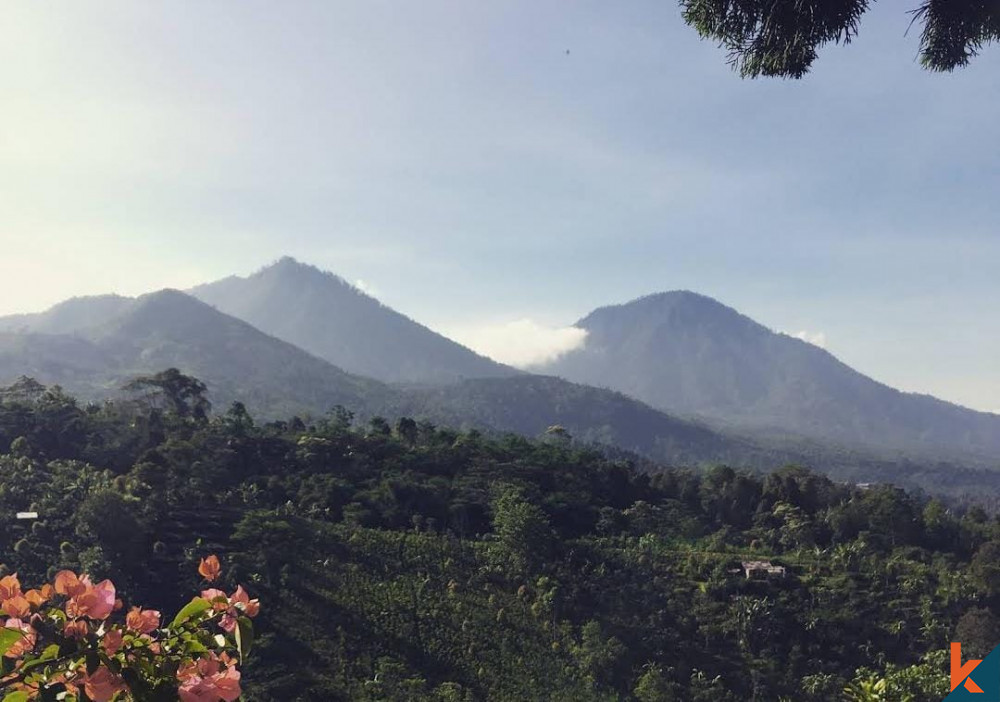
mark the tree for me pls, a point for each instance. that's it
(406, 429)
(522, 530)
(781, 38)
(654, 686)
(985, 567)
(183, 394)
(977, 630)
(238, 420)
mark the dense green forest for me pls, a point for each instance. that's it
(397, 560)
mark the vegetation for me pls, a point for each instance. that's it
(399, 560)
(767, 38)
(64, 641)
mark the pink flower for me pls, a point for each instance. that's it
(95, 601)
(25, 643)
(209, 568)
(39, 597)
(17, 607)
(209, 680)
(112, 642)
(67, 583)
(103, 685)
(242, 600)
(233, 606)
(143, 620)
(10, 586)
(217, 597)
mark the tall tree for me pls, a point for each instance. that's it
(184, 395)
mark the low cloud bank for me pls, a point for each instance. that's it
(520, 343)
(814, 338)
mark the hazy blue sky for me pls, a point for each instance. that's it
(469, 171)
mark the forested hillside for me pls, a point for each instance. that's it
(397, 560)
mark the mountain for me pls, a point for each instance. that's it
(172, 329)
(277, 379)
(328, 317)
(689, 354)
(106, 341)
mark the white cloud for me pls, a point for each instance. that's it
(520, 343)
(814, 338)
(366, 287)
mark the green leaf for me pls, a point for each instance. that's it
(49, 654)
(196, 606)
(195, 646)
(9, 637)
(244, 637)
(16, 697)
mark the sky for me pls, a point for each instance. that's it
(497, 170)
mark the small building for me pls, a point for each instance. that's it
(762, 569)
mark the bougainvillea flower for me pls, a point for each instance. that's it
(249, 607)
(209, 679)
(209, 568)
(143, 620)
(112, 641)
(67, 583)
(103, 685)
(238, 603)
(39, 597)
(96, 601)
(17, 607)
(218, 598)
(25, 643)
(10, 586)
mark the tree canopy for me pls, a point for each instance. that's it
(399, 560)
(782, 37)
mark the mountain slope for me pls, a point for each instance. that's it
(686, 353)
(171, 329)
(329, 318)
(530, 404)
(70, 316)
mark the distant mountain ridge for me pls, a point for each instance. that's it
(276, 379)
(172, 329)
(328, 317)
(689, 354)
(686, 379)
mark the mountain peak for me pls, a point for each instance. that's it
(288, 263)
(679, 309)
(292, 272)
(330, 318)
